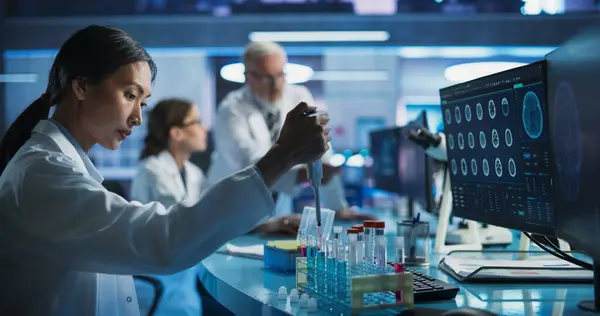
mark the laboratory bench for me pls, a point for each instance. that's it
(245, 287)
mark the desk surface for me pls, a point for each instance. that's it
(246, 288)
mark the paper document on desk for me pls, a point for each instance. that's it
(253, 252)
(539, 267)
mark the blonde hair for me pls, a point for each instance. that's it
(255, 51)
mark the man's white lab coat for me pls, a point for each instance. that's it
(241, 137)
(70, 246)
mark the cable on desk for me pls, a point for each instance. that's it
(559, 253)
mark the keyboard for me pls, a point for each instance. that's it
(427, 288)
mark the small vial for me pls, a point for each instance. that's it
(360, 246)
(380, 245)
(399, 247)
(337, 237)
(311, 253)
(331, 287)
(352, 240)
(369, 231)
(341, 270)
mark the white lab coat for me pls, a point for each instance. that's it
(158, 179)
(70, 246)
(242, 137)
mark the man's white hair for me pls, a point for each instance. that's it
(255, 51)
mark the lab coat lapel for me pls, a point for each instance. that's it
(168, 162)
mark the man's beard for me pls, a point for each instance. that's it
(275, 104)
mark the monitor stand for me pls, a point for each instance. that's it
(593, 305)
(440, 246)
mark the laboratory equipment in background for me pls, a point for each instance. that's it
(402, 167)
(417, 246)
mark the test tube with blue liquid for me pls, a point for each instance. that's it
(311, 254)
(320, 271)
(341, 272)
(331, 277)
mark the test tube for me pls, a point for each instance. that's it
(360, 244)
(303, 242)
(311, 253)
(380, 245)
(337, 238)
(399, 246)
(331, 277)
(369, 230)
(341, 269)
(352, 240)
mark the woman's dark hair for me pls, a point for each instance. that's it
(166, 114)
(94, 53)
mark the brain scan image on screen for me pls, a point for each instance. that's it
(479, 110)
(474, 166)
(471, 140)
(448, 116)
(495, 138)
(485, 166)
(567, 141)
(463, 167)
(454, 167)
(451, 141)
(461, 141)
(498, 167)
(457, 115)
(468, 113)
(508, 137)
(533, 119)
(482, 141)
(512, 167)
(492, 109)
(505, 107)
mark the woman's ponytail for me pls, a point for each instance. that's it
(20, 130)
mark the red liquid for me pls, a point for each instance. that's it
(399, 268)
(303, 251)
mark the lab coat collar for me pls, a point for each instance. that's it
(170, 163)
(68, 146)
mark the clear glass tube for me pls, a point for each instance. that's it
(369, 232)
(352, 259)
(380, 251)
(341, 270)
(399, 246)
(337, 237)
(360, 248)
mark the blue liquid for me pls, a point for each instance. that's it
(342, 280)
(311, 252)
(321, 273)
(331, 277)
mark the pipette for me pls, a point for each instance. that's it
(315, 175)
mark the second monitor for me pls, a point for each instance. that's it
(499, 149)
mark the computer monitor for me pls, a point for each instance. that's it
(415, 167)
(401, 166)
(573, 93)
(499, 149)
(384, 151)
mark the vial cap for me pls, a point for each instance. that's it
(369, 224)
(351, 231)
(337, 229)
(378, 224)
(360, 228)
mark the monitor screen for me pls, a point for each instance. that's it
(499, 153)
(384, 151)
(415, 169)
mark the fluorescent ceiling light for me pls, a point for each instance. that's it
(473, 51)
(295, 73)
(356, 161)
(351, 75)
(320, 36)
(337, 160)
(469, 71)
(18, 78)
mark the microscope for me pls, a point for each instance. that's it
(474, 237)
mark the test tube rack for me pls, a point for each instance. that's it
(355, 291)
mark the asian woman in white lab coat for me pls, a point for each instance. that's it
(70, 246)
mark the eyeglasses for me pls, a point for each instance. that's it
(266, 78)
(190, 123)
